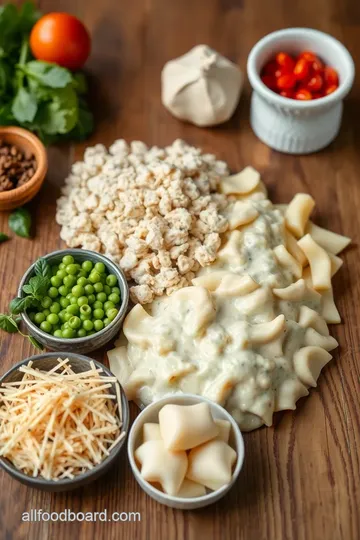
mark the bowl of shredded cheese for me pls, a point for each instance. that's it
(63, 421)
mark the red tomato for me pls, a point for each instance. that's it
(269, 81)
(301, 69)
(303, 94)
(315, 83)
(287, 93)
(317, 95)
(272, 68)
(60, 38)
(286, 82)
(307, 55)
(285, 61)
(331, 89)
(331, 77)
(317, 65)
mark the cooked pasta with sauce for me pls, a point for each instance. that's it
(251, 333)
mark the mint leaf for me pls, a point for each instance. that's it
(8, 324)
(48, 74)
(18, 305)
(35, 342)
(43, 268)
(24, 106)
(20, 222)
(37, 287)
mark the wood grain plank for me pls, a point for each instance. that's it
(300, 479)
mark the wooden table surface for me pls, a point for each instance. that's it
(301, 477)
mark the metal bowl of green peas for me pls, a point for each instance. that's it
(84, 305)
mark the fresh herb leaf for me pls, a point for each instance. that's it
(24, 106)
(43, 268)
(60, 115)
(20, 222)
(35, 342)
(3, 237)
(37, 287)
(48, 74)
(8, 324)
(28, 16)
(20, 304)
(80, 83)
(84, 126)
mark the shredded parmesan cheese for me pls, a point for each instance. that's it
(58, 424)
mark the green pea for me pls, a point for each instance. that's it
(65, 325)
(81, 274)
(98, 313)
(68, 259)
(82, 281)
(46, 326)
(106, 321)
(68, 333)
(46, 302)
(85, 311)
(94, 277)
(73, 300)
(71, 269)
(52, 318)
(111, 280)
(114, 298)
(82, 300)
(108, 305)
(62, 315)
(115, 290)
(73, 309)
(74, 322)
(62, 266)
(31, 316)
(78, 291)
(55, 308)
(64, 302)
(81, 332)
(67, 316)
(98, 305)
(107, 290)
(100, 267)
(46, 312)
(91, 333)
(54, 269)
(101, 297)
(53, 292)
(98, 287)
(103, 278)
(63, 290)
(58, 333)
(69, 281)
(98, 325)
(61, 274)
(39, 317)
(111, 314)
(91, 299)
(87, 266)
(89, 289)
(56, 281)
(88, 325)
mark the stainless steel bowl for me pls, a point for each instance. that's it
(87, 343)
(79, 363)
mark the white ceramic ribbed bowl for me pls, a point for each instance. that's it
(151, 414)
(288, 125)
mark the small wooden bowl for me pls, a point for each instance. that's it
(28, 142)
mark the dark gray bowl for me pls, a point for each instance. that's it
(79, 363)
(87, 343)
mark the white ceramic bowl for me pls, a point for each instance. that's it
(288, 125)
(151, 414)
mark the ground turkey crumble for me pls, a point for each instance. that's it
(154, 211)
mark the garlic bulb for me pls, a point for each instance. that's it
(202, 87)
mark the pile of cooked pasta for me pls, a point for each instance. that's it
(59, 424)
(251, 333)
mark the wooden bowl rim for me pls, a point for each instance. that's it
(39, 152)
